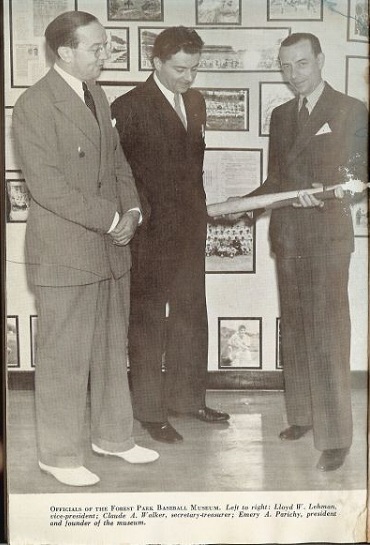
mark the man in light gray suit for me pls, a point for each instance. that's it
(84, 211)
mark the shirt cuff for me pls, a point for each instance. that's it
(114, 222)
(141, 215)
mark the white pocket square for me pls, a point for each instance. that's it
(324, 129)
(114, 121)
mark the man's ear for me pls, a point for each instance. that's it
(65, 53)
(321, 60)
(157, 63)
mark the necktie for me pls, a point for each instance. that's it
(303, 115)
(178, 109)
(89, 101)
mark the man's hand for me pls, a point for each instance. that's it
(232, 217)
(125, 230)
(309, 201)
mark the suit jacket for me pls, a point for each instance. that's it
(298, 161)
(78, 178)
(167, 163)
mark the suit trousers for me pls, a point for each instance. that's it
(180, 341)
(81, 339)
(316, 328)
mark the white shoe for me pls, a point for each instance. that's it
(73, 476)
(135, 455)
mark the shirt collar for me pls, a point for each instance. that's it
(170, 96)
(313, 97)
(73, 82)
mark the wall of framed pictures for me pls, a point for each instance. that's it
(241, 81)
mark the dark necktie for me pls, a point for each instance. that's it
(178, 109)
(89, 101)
(303, 115)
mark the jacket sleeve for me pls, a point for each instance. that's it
(37, 145)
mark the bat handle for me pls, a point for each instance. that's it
(322, 196)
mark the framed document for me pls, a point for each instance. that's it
(357, 75)
(119, 49)
(294, 10)
(240, 343)
(113, 89)
(272, 94)
(358, 21)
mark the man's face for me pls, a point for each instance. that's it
(87, 59)
(178, 72)
(301, 67)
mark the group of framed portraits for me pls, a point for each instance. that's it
(240, 343)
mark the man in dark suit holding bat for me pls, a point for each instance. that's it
(161, 125)
(313, 139)
(83, 213)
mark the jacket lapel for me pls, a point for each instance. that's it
(67, 101)
(164, 108)
(322, 113)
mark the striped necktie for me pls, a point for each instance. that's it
(178, 109)
(89, 101)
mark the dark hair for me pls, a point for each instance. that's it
(62, 30)
(299, 36)
(175, 39)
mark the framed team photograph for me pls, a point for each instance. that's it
(218, 12)
(358, 21)
(240, 343)
(12, 342)
(135, 10)
(113, 90)
(360, 216)
(357, 78)
(272, 94)
(17, 201)
(279, 361)
(230, 248)
(226, 49)
(33, 337)
(295, 10)
(118, 39)
(227, 109)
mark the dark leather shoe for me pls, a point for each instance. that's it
(211, 416)
(294, 432)
(162, 431)
(332, 459)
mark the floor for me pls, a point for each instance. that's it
(243, 455)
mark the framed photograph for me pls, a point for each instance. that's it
(12, 342)
(33, 337)
(114, 90)
(119, 49)
(272, 94)
(279, 361)
(357, 76)
(294, 10)
(135, 10)
(240, 343)
(226, 49)
(29, 59)
(227, 109)
(230, 173)
(358, 21)
(218, 12)
(360, 216)
(17, 201)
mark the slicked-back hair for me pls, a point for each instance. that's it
(299, 37)
(62, 30)
(175, 39)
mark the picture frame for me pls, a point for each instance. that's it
(33, 336)
(225, 49)
(17, 201)
(239, 343)
(29, 56)
(295, 10)
(271, 95)
(358, 21)
(114, 89)
(231, 248)
(135, 10)
(12, 342)
(216, 12)
(119, 40)
(357, 69)
(278, 359)
(360, 217)
(227, 109)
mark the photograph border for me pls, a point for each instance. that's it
(261, 84)
(278, 360)
(197, 22)
(33, 319)
(18, 366)
(246, 90)
(217, 29)
(305, 19)
(350, 19)
(138, 19)
(244, 319)
(115, 69)
(348, 58)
